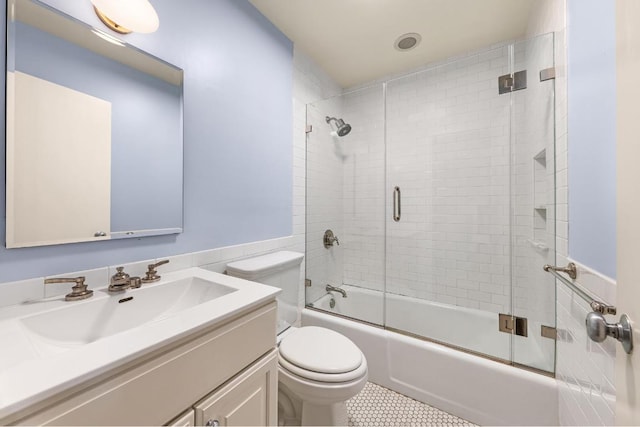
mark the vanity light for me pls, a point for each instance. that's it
(126, 16)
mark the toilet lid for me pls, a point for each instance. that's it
(320, 350)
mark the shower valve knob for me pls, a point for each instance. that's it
(329, 239)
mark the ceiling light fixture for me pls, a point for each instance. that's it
(126, 16)
(407, 41)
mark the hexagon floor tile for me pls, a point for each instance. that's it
(379, 406)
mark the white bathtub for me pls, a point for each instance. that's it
(477, 389)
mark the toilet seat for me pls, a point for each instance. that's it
(322, 355)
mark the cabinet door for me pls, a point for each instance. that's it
(250, 399)
(185, 420)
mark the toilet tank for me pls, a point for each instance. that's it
(280, 269)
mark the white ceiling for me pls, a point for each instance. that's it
(353, 40)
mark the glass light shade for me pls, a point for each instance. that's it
(134, 15)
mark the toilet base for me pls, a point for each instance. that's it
(294, 412)
(324, 415)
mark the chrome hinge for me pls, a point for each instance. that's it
(547, 74)
(307, 283)
(548, 332)
(512, 324)
(512, 82)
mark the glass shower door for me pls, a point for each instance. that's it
(448, 243)
(345, 194)
(470, 222)
(533, 201)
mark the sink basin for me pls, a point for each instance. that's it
(83, 322)
(53, 345)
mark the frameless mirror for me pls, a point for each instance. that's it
(94, 137)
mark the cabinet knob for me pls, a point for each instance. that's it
(212, 423)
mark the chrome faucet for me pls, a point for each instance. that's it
(330, 288)
(152, 274)
(79, 291)
(119, 281)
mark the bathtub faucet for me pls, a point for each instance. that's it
(330, 288)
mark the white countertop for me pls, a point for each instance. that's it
(32, 370)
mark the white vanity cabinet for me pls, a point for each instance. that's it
(227, 372)
(248, 400)
(188, 419)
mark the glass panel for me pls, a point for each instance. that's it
(440, 201)
(345, 194)
(448, 257)
(533, 202)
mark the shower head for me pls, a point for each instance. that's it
(341, 127)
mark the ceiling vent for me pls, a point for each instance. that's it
(407, 41)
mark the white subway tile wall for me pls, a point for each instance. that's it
(585, 369)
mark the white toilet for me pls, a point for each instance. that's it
(319, 369)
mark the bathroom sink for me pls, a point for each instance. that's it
(54, 345)
(83, 322)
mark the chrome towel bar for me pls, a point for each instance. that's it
(598, 329)
(571, 270)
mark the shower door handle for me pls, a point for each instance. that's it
(396, 204)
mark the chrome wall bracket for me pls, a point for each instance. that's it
(570, 269)
(512, 82)
(512, 324)
(549, 332)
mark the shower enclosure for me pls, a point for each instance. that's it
(440, 203)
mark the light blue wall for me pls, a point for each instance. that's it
(237, 141)
(592, 133)
(146, 139)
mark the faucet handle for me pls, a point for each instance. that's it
(120, 275)
(79, 291)
(329, 239)
(152, 274)
(120, 281)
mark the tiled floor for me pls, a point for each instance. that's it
(378, 406)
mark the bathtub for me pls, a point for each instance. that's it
(480, 390)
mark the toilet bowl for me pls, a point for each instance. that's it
(322, 369)
(318, 369)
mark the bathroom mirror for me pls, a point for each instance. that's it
(94, 137)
